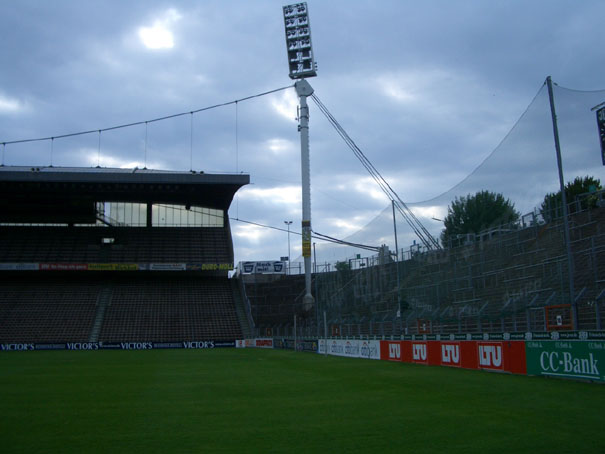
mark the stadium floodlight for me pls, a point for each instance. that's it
(298, 41)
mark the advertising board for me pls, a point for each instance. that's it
(450, 354)
(265, 342)
(206, 344)
(268, 267)
(391, 351)
(490, 355)
(566, 358)
(352, 348)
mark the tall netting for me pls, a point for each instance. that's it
(509, 278)
(523, 168)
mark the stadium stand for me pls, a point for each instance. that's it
(129, 245)
(52, 310)
(85, 256)
(511, 279)
(169, 309)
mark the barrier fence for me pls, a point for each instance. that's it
(576, 355)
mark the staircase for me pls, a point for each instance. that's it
(240, 309)
(103, 300)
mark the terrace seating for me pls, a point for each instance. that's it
(52, 312)
(504, 282)
(122, 245)
(160, 310)
(171, 310)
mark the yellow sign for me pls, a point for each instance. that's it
(113, 267)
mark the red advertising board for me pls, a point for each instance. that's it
(508, 356)
(514, 357)
(468, 355)
(434, 351)
(491, 355)
(450, 354)
(391, 351)
(420, 352)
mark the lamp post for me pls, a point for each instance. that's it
(288, 224)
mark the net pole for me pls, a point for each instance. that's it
(396, 259)
(574, 307)
(325, 335)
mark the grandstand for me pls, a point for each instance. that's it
(513, 278)
(114, 255)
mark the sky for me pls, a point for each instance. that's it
(431, 91)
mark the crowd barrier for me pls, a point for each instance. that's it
(505, 356)
(571, 354)
(576, 355)
(8, 347)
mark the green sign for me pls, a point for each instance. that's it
(566, 358)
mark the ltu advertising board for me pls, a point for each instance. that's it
(573, 359)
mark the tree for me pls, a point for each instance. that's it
(343, 266)
(475, 213)
(552, 206)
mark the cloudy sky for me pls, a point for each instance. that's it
(428, 90)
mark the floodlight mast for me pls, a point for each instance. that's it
(302, 64)
(303, 89)
(298, 41)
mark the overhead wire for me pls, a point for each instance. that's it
(137, 123)
(315, 235)
(420, 231)
(341, 131)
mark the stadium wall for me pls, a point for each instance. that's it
(206, 344)
(575, 355)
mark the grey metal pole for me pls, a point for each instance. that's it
(570, 267)
(395, 230)
(397, 259)
(288, 224)
(325, 335)
(303, 89)
(294, 332)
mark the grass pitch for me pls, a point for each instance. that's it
(232, 400)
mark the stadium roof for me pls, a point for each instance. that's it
(34, 191)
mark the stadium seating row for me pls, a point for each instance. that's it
(164, 309)
(114, 244)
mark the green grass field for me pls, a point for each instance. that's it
(279, 401)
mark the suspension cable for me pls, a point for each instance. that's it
(423, 234)
(127, 125)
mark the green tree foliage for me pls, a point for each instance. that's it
(552, 206)
(343, 266)
(475, 213)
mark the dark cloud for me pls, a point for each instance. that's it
(426, 89)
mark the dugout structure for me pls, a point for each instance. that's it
(117, 255)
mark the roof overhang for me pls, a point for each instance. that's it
(45, 192)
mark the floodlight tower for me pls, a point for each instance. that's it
(302, 64)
